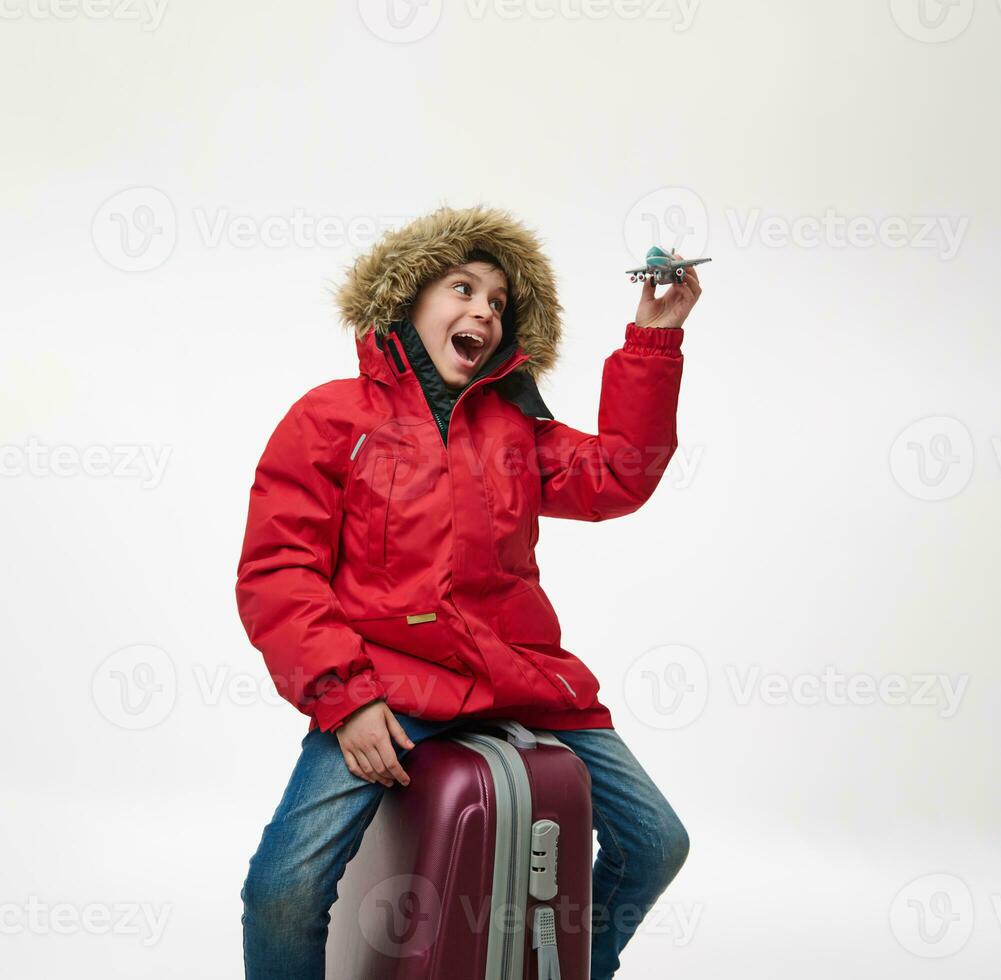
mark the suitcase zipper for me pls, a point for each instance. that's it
(506, 962)
(511, 967)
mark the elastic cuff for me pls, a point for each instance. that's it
(338, 701)
(649, 340)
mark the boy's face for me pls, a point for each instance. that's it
(468, 299)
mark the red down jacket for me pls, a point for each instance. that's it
(382, 560)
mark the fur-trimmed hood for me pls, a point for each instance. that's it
(383, 282)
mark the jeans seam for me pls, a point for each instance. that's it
(622, 853)
(362, 827)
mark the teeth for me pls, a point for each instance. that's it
(473, 337)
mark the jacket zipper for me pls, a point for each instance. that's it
(496, 375)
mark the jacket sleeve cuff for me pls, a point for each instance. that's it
(339, 699)
(653, 340)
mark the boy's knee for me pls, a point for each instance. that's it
(680, 845)
(272, 897)
(670, 850)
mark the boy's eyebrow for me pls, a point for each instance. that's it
(472, 275)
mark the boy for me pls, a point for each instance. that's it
(388, 570)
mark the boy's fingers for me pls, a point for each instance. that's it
(377, 776)
(370, 763)
(398, 732)
(391, 767)
(376, 766)
(353, 766)
(363, 764)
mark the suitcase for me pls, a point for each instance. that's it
(480, 869)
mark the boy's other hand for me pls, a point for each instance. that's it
(671, 309)
(365, 742)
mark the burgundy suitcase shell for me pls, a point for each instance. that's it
(480, 869)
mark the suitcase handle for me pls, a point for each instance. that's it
(517, 734)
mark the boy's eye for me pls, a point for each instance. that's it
(466, 284)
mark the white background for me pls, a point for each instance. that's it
(812, 519)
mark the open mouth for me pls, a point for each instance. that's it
(467, 348)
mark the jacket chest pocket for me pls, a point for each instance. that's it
(380, 497)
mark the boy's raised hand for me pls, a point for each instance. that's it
(670, 309)
(365, 742)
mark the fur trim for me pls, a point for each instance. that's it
(382, 283)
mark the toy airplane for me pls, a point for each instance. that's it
(663, 267)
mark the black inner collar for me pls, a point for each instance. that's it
(518, 386)
(422, 363)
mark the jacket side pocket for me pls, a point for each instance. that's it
(424, 635)
(383, 473)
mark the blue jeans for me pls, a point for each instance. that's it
(325, 809)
